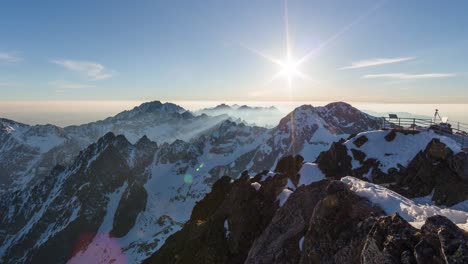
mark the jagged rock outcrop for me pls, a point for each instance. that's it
(226, 222)
(432, 170)
(393, 240)
(222, 229)
(279, 242)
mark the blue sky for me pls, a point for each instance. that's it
(391, 51)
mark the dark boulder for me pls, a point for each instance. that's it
(360, 141)
(335, 162)
(432, 170)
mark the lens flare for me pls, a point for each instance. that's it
(188, 179)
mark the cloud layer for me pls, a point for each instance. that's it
(66, 85)
(8, 57)
(408, 76)
(376, 62)
(93, 70)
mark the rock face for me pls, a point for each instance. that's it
(338, 226)
(241, 221)
(433, 170)
(393, 240)
(279, 242)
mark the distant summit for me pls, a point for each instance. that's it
(255, 115)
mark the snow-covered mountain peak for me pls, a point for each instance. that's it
(338, 118)
(340, 105)
(300, 115)
(255, 115)
(157, 106)
(144, 140)
(221, 106)
(150, 108)
(9, 126)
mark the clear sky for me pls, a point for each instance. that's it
(390, 51)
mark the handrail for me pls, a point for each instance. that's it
(458, 131)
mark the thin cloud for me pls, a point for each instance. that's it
(376, 62)
(407, 76)
(8, 85)
(93, 70)
(9, 57)
(66, 85)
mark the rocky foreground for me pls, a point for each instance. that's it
(299, 215)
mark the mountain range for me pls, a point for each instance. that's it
(254, 115)
(134, 186)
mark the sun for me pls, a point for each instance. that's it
(289, 68)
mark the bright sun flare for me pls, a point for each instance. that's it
(289, 68)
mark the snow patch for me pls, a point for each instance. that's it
(391, 202)
(256, 185)
(112, 205)
(283, 196)
(268, 175)
(226, 226)
(103, 249)
(310, 173)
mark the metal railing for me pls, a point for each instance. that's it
(458, 131)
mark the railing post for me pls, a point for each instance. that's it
(399, 121)
(414, 123)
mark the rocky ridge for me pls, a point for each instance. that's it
(245, 221)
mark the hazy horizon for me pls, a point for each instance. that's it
(65, 113)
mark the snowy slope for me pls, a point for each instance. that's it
(398, 151)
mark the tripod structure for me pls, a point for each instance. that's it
(437, 115)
